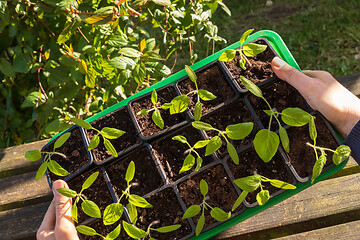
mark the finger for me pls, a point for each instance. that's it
(46, 229)
(319, 74)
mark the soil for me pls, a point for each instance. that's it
(102, 229)
(121, 120)
(98, 192)
(212, 80)
(221, 193)
(171, 153)
(250, 163)
(167, 210)
(280, 95)
(301, 156)
(146, 125)
(75, 152)
(260, 69)
(146, 179)
(234, 113)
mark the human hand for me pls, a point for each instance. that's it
(323, 93)
(57, 222)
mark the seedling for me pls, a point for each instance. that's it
(251, 183)
(138, 233)
(246, 50)
(234, 132)
(106, 133)
(92, 232)
(266, 142)
(89, 207)
(53, 166)
(193, 210)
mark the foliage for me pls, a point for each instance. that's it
(71, 58)
(138, 233)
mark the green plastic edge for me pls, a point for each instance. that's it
(280, 47)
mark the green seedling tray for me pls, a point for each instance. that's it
(280, 47)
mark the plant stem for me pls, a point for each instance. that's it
(322, 149)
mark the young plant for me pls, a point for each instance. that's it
(92, 232)
(138, 233)
(193, 210)
(53, 166)
(89, 207)
(246, 50)
(251, 183)
(234, 132)
(266, 142)
(106, 133)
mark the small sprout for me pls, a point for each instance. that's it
(193, 210)
(246, 50)
(92, 232)
(251, 183)
(138, 233)
(106, 133)
(53, 166)
(234, 132)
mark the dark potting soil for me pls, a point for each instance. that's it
(98, 192)
(104, 230)
(233, 113)
(120, 120)
(260, 69)
(166, 211)
(221, 193)
(75, 152)
(212, 80)
(250, 163)
(171, 153)
(280, 95)
(146, 124)
(146, 179)
(301, 156)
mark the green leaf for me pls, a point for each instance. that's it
(312, 129)
(111, 133)
(66, 33)
(262, 197)
(284, 139)
(31, 100)
(198, 111)
(91, 209)
(191, 73)
(251, 87)
(266, 144)
(94, 142)
(188, 163)
(139, 73)
(318, 167)
(281, 184)
(133, 231)
(239, 131)
(114, 233)
(232, 152)
(245, 35)
(219, 214)
(117, 40)
(90, 180)
(341, 154)
(22, 63)
(224, 7)
(295, 117)
(227, 55)
(33, 155)
(139, 201)
(6, 68)
(130, 52)
(242, 64)
(204, 188)
(56, 169)
(132, 213)
(130, 172)
(97, 19)
(180, 138)
(61, 140)
(122, 63)
(201, 144)
(213, 145)
(269, 112)
(202, 126)
(90, 78)
(86, 230)
(156, 117)
(41, 171)
(249, 184)
(162, 2)
(200, 225)
(179, 104)
(193, 210)
(199, 162)
(206, 95)
(167, 229)
(112, 213)
(253, 49)
(143, 112)
(81, 123)
(67, 192)
(239, 200)
(74, 212)
(154, 97)
(108, 145)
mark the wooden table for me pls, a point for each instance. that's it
(327, 210)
